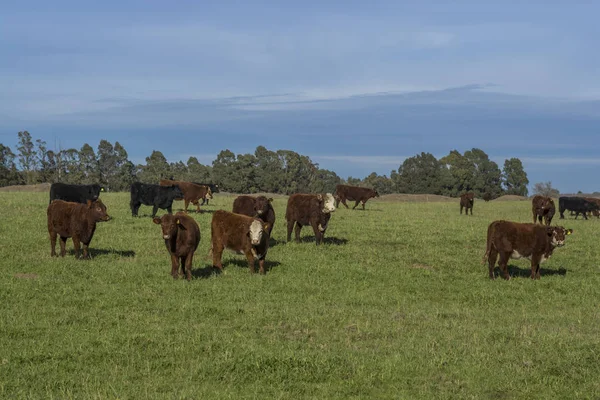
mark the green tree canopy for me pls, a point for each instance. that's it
(515, 177)
(422, 173)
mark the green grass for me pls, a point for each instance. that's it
(396, 304)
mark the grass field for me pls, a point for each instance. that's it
(396, 304)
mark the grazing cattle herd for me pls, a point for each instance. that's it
(74, 211)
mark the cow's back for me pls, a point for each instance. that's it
(230, 229)
(244, 205)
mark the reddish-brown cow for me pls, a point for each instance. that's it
(182, 235)
(257, 207)
(191, 192)
(353, 193)
(466, 201)
(239, 233)
(542, 207)
(516, 240)
(76, 221)
(309, 209)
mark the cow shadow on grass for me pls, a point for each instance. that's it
(275, 242)
(103, 252)
(243, 263)
(204, 273)
(194, 212)
(326, 240)
(519, 272)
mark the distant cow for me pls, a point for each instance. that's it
(353, 193)
(487, 196)
(466, 201)
(309, 209)
(595, 213)
(257, 207)
(76, 221)
(153, 195)
(214, 188)
(542, 207)
(75, 193)
(191, 192)
(577, 204)
(516, 240)
(239, 233)
(182, 235)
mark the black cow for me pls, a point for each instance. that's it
(75, 193)
(153, 195)
(214, 188)
(577, 204)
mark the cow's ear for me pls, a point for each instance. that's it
(179, 224)
(266, 226)
(89, 203)
(569, 231)
(156, 220)
(102, 189)
(550, 230)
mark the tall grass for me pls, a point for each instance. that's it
(395, 304)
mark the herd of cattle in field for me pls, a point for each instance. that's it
(74, 211)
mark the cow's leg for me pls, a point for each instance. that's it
(363, 204)
(356, 204)
(344, 202)
(534, 217)
(290, 227)
(217, 252)
(261, 265)
(63, 246)
(187, 202)
(471, 210)
(503, 264)
(535, 267)
(461, 208)
(297, 231)
(86, 255)
(53, 236)
(170, 208)
(337, 202)
(154, 210)
(134, 208)
(174, 266)
(195, 202)
(250, 258)
(76, 245)
(585, 215)
(492, 257)
(318, 233)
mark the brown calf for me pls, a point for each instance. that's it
(466, 201)
(309, 209)
(516, 240)
(258, 207)
(76, 221)
(239, 233)
(182, 235)
(353, 193)
(191, 192)
(542, 207)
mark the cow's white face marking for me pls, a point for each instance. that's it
(322, 228)
(256, 231)
(166, 237)
(329, 203)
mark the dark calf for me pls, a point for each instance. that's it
(309, 209)
(353, 193)
(153, 195)
(182, 235)
(542, 207)
(466, 201)
(257, 207)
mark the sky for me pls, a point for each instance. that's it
(356, 86)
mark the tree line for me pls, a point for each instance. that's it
(281, 171)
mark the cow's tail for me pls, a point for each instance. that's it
(488, 246)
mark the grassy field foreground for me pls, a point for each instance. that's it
(396, 304)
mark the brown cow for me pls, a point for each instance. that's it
(487, 196)
(309, 209)
(182, 235)
(353, 193)
(76, 221)
(466, 201)
(191, 192)
(542, 207)
(239, 233)
(517, 240)
(258, 207)
(595, 200)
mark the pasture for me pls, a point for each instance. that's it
(395, 304)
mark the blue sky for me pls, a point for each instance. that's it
(357, 86)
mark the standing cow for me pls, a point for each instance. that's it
(76, 221)
(353, 193)
(182, 235)
(153, 195)
(542, 207)
(466, 201)
(577, 204)
(191, 192)
(516, 240)
(75, 193)
(257, 207)
(239, 233)
(309, 209)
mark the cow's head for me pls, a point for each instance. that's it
(375, 194)
(175, 192)
(169, 224)
(558, 234)
(98, 210)
(262, 205)
(328, 202)
(256, 232)
(323, 221)
(208, 194)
